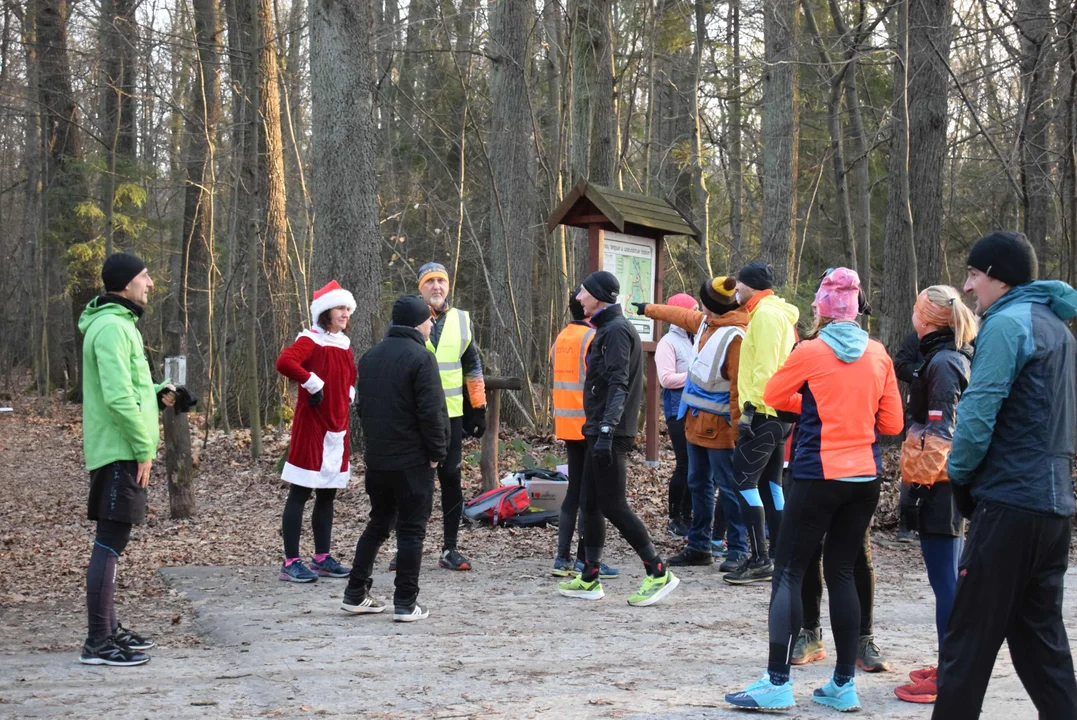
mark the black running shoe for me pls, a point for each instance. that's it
(688, 556)
(752, 572)
(453, 559)
(109, 652)
(132, 640)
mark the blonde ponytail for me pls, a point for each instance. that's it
(958, 316)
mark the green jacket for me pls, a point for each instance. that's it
(119, 399)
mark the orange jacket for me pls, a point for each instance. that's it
(843, 406)
(569, 370)
(704, 429)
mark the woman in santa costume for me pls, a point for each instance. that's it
(321, 361)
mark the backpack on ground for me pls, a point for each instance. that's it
(494, 506)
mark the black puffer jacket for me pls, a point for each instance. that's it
(935, 391)
(401, 403)
(613, 388)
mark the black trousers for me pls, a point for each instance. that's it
(863, 576)
(680, 501)
(321, 518)
(452, 494)
(604, 494)
(757, 475)
(840, 512)
(571, 518)
(1009, 587)
(400, 499)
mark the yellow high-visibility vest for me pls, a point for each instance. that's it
(455, 337)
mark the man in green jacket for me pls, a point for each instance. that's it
(120, 434)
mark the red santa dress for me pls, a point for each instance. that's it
(320, 449)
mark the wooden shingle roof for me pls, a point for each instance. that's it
(628, 212)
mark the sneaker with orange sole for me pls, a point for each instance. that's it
(922, 691)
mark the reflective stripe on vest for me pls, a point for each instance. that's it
(569, 373)
(455, 337)
(705, 388)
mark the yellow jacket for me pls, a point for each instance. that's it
(768, 342)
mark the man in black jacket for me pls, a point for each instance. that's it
(907, 360)
(406, 428)
(612, 392)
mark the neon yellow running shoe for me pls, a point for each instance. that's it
(580, 588)
(654, 589)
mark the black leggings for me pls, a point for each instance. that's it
(452, 494)
(841, 512)
(680, 501)
(109, 543)
(321, 520)
(757, 476)
(571, 518)
(604, 489)
(863, 576)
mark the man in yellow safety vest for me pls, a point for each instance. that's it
(452, 340)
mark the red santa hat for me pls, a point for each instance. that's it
(329, 297)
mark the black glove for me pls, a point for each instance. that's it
(475, 422)
(641, 308)
(602, 453)
(315, 399)
(744, 425)
(963, 500)
(185, 400)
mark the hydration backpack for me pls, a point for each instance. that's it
(493, 506)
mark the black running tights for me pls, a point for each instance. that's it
(321, 520)
(863, 576)
(841, 512)
(109, 544)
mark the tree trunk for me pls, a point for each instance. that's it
(700, 196)
(862, 176)
(273, 301)
(781, 135)
(119, 42)
(195, 283)
(900, 254)
(344, 188)
(512, 188)
(736, 162)
(1037, 72)
(928, 81)
(605, 130)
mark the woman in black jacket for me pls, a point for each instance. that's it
(946, 328)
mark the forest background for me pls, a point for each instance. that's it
(252, 150)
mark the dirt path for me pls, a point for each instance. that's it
(237, 643)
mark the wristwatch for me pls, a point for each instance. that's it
(605, 429)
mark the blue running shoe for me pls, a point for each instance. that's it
(297, 572)
(604, 570)
(842, 698)
(719, 548)
(763, 695)
(563, 567)
(329, 568)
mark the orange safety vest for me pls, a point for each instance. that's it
(569, 370)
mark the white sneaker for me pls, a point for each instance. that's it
(416, 613)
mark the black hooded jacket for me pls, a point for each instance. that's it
(401, 403)
(613, 388)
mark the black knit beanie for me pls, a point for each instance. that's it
(120, 269)
(757, 275)
(1006, 256)
(603, 286)
(410, 311)
(574, 306)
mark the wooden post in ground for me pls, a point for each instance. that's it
(489, 442)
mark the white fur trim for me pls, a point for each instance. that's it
(351, 394)
(313, 384)
(315, 478)
(321, 337)
(332, 299)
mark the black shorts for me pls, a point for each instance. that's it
(116, 495)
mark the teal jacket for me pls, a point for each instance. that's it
(119, 399)
(1014, 439)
